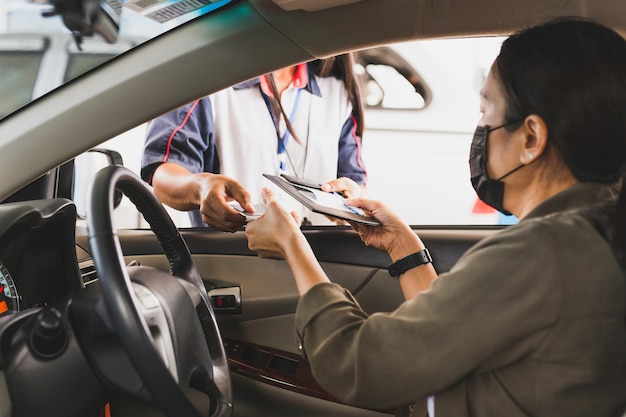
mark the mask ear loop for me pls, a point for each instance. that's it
(519, 119)
(499, 127)
(511, 171)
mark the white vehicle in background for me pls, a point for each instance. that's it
(420, 97)
(428, 108)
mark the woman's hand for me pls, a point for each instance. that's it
(269, 234)
(276, 235)
(393, 235)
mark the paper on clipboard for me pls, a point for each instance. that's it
(329, 204)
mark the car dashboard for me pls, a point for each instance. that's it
(38, 256)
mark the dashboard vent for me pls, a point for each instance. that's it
(88, 273)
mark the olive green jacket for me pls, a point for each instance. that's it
(529, 322)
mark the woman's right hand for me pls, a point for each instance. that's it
(276, 234)
(393, 235)
(276, 228)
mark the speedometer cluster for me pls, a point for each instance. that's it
(9, 299)
(38, 264)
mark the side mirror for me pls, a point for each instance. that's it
(86, 166)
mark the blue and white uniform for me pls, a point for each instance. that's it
(232, 132)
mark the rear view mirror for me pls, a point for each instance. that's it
(89, 17)
(86, 166)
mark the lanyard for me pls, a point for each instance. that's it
(282, 142)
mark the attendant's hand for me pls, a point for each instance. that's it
(393, 235)
(347, 187)
(269, 234)
(215, 193)
(344, 185)
(210, 193)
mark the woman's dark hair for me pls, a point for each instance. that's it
(572, 73)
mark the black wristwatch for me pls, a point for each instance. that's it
(416, 259)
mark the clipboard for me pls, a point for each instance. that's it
(310, 195)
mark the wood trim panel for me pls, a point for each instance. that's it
(276, 367)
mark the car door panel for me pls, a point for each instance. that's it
(270, 378)
(258, 399)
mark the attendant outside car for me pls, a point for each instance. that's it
(305, 121)
(531, 320)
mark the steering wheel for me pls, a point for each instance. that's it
(164, 322)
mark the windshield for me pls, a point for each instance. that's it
(38, 52)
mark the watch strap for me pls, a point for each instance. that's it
(409, 262)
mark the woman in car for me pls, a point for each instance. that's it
(531, 320)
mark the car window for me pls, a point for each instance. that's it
(78, 63)
(421, 108)
(388, 81)
(20, 60)
(419, 119)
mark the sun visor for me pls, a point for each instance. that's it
(312, 5)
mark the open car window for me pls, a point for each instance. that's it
(420, 109)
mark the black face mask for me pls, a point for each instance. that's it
(490, 191)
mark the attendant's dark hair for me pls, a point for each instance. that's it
(572, 73)
(340, 67)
